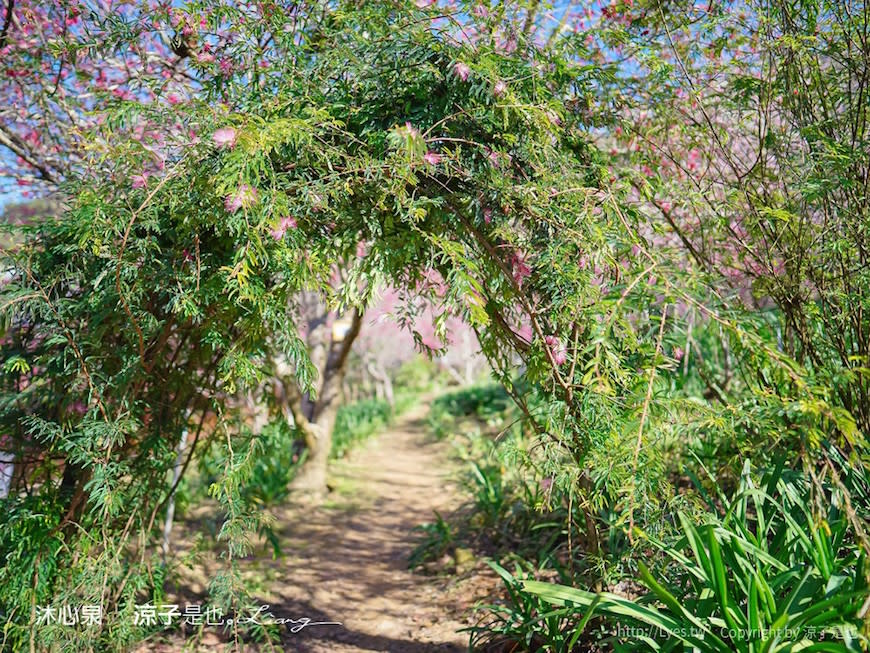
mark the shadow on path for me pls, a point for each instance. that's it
(347, 560)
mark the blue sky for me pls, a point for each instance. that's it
(10, 197)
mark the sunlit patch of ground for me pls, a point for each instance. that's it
(346, 559)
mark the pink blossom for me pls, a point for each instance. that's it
(678, 353)
(557, 349)
(287, 222)
(173, 98)
(546, 483)
(205, 57)
(521, 269)
(140, 181)
(432, 158)
(509, 45)
(232, 203)
(461, 71)
(480, 11)
(497, 158)
(243, 198)
(224, 137)
(422, 4)
(487, 215)
(499, 89)
(412, 131)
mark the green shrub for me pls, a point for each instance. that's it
(766, 575)
(417, 375)
(484, 403)
(513, 505)
(436, 538)
(270, 475)
(357, 421)
(522, 621)
(481, 400)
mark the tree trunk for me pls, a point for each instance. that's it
(388, 390)
(170, 506)
(312, 478)
(317, 429)
(7, 471)
(383, 383)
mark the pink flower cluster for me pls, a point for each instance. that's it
(225, 137)
(243, 198)
(498, 159)
(461, 71)
(520, 268)
(287, 222)
(557, 349)
(411, 131)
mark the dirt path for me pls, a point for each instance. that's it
(347, 560)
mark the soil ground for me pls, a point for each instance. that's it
(346, 559)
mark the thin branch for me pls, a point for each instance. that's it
(643, 416)
(10, 6)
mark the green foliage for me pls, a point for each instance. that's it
(436, 539)
(760, 574)
(357, 421)
(417, 375)
(512, 506)
(479, 401)
(488, 403)
(271, 474)
(525, 621)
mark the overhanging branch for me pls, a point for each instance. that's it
(10, 6)
(11, 142)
